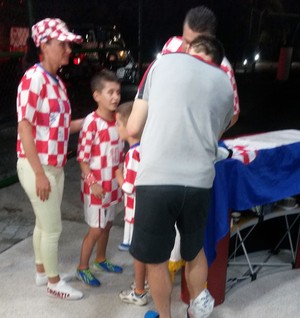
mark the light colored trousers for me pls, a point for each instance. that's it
(48, 224)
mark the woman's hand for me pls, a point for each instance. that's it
(43, 187)
(42, 183)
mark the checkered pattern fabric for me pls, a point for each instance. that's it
(225, 65)
(174, 45)
(50, 28)
(42, 100)
(132, 160)
(99, 145)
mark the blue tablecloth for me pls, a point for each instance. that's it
(272, 176)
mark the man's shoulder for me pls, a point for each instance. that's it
(172, 45)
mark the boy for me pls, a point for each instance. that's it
(126, 179)
(100, 153)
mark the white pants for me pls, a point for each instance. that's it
(128, 231)
(48, 224)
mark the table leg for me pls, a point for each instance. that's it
(216, 282)
(297, 261)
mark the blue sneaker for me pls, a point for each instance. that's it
(108, 267)
(151, 314)
(87, 277)
(123, 247)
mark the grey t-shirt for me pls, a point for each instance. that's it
(190, 103)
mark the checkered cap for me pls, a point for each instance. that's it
(52, 29)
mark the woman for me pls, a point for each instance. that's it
(44, 124)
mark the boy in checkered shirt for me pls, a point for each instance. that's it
(137, 294)
(100, 153)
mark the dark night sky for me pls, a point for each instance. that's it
(160, 19)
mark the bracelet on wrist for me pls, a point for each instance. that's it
(90, 179)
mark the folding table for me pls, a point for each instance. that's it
(265, 168)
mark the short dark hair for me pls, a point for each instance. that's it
(99, 79)
(210, 46)
(124, 110)
(202, 20)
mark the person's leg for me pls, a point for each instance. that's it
(87, 247)
(106, 222)
(27, 181)
(83, 272)
(196, 274)
(153, 238)
(50, 223)
(201, 302)
(48, 217)
(48, 228)
(102, 243)
(139, 276)
(161, 288)
(191, 225)
(136, 295)
(127, 233)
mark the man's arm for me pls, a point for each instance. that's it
(137, 118)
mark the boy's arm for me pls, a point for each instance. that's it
(137, 118)
(76, 125)
(97, 190)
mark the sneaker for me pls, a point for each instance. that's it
(151, 314)
(146, 286)
(108, 267)
(202, 306)
(64, 291)
(87, 277)
(41, 279)
(123, 247)
(130, 297)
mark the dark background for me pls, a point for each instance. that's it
(243, 24)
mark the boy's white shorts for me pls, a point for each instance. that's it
(97, 217)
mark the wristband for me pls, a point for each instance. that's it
(90, 179)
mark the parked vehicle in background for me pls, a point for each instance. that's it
(102, 47)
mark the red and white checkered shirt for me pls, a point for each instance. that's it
(42, 100)
(99, 145)
(174, 45)
(132, 160)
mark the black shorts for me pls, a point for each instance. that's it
(157, 210)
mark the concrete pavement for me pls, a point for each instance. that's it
(20, 297)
